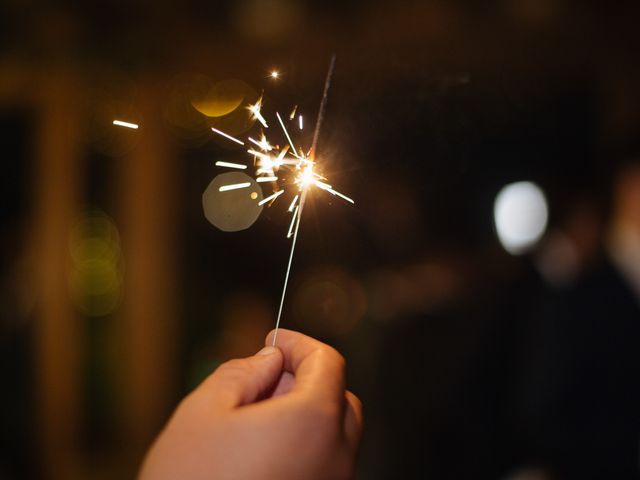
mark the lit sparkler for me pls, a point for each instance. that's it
(288, 167)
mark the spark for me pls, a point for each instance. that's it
(271, 197)
(328, 188)
(263, 144)
(293, 112)
(255, 110)
(284, 129)
(259, 154)
(231, 165)
(293, 221)
(120, 123)
(226, 135)
(293, 203)
(300, 123)
(275, 74)
(266, 179)
(234, 186)
(280, 158)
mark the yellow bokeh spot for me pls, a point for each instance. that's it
(223, 98)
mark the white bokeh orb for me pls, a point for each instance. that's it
(520, 215)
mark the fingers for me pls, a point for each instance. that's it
(319, 369)
(242, 381)
(284, 385)
(353, 421)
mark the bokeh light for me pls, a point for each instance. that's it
(223, 98)
(185, 122)
(520, 215)
(329, 302)
(106, 137)
(96, 270)
(234, 209)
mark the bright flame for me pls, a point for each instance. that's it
(275, 74)
(307, 177)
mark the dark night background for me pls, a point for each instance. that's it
(118, 297)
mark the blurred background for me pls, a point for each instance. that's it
(484, 287)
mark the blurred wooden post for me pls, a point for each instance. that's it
(148, 314)
(58, 335)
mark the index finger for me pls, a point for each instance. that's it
(318, 368)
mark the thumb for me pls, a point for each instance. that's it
(246, 380)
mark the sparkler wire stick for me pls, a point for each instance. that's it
(303, 196)
(323, 105)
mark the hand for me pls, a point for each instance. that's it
(282, 414)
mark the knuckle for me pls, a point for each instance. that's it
(332, 355)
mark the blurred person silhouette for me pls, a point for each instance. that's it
(579, 401)
(283, 413)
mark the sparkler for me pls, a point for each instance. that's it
(287, 166)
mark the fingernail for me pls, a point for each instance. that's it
(267, 351)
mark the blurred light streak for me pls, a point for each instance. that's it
(231, 165)
(125, 124)
(293, 203)
(263, 144)
(271, 197)
(220, 132)
(284, 129)
(293, 221)
(236, 186)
